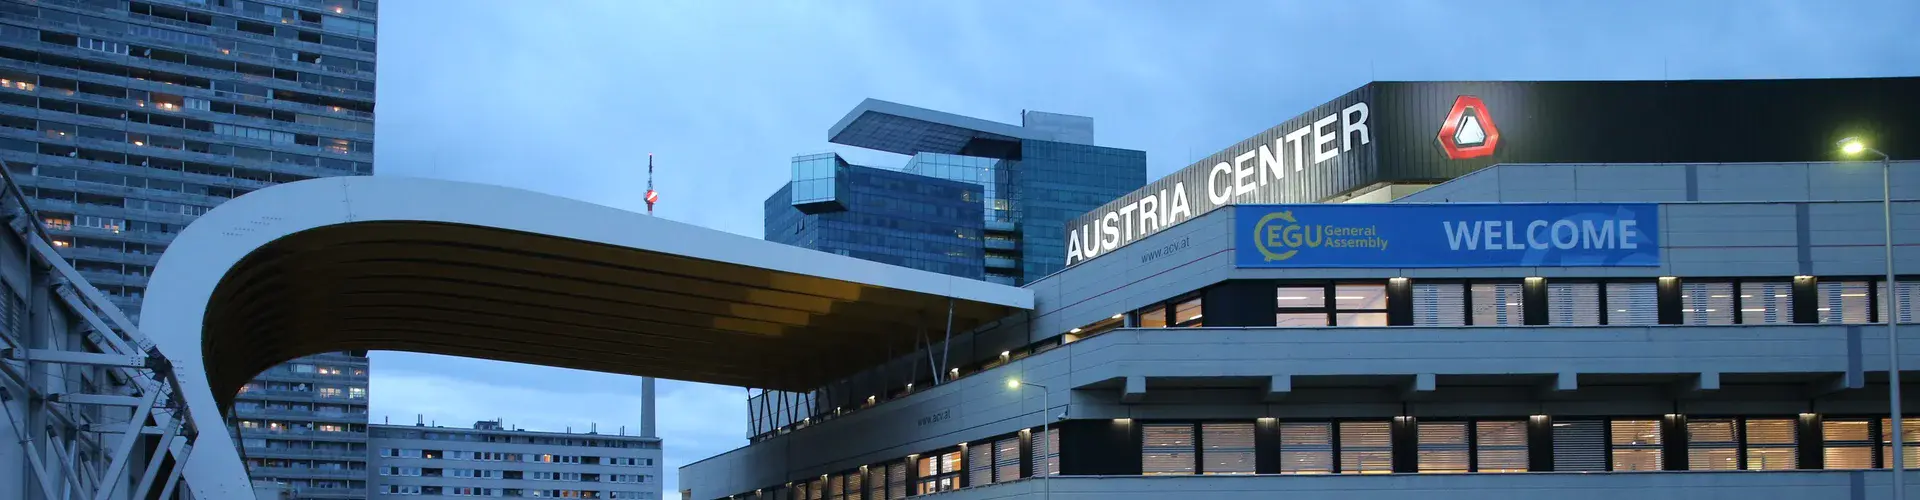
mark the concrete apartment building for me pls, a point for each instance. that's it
(125, 120)
(489, 460)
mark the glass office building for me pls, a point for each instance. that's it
(879, 215)
(123, 121)
(1032, 177)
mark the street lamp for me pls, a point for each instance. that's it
(1046, 427)
(1853, 145)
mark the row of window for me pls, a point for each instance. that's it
(298, 427)
(487, 437)
(137, 98)
(59, 131)
(325, 391)
(308, 79)
(1575, 302)
(987, 462)
(402, 489)
(1506, 445)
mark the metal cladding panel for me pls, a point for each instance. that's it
(1692, 121)
(1410, 124)
(1302, 182)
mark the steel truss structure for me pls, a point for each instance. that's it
(90, 404)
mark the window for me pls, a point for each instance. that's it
(1187, 313)
(1770, 444)
(357, 392)
(1306, 448)
(1497, 304)
(1229, 447)
(939, 472)
(1167, 449)
(1910, 447)
(1636, 445)
(1843, 302)
(1154, 317)
(1579, 446)
(300, 368)
(1298, 306)
(329, 392)
(1046, 452)
(1712, 444)
(1501, 446)
(1633, 303)
(1439, 304)
(980, 464)
(856, 486)
(1006, 459)
(1906, 307)
(1366, 448)
(1849, 443)
(1360, 304)
(1573, 304)
(1706, 303)
(1766, 302)
(1443, 447)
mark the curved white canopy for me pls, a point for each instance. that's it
(446, 267)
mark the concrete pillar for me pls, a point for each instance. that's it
(646, 408)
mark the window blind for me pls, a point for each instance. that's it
(1633, 303)
(1306, 448)
(1849, 443)
(1771, 444)
(1903, 306)
(1502, 446)
(1910, 445)
(1766, 302)
(1573, 304)
(856, 486)
(980, 464)
(1187, 314)
(1154, 317)
(1167, 449)
(1706, 303)
(815, 489)
(1443, 447)
(1229, 447)
(1046, 453)
(837, 487)
(1579, 446)
(1498, 304)
(1844, 302)
(1439, 304)
(897, 480)
(1636, 445)
(1366, 448)
(1006, 459)
(1712, 444)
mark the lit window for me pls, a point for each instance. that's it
(1771, 444)
(1712, 444)
(1306, 448)
(1443, 447)
(1636, 445)
(1849, 443)
(1844, 302)
(1501, 446)
(1168, 449)
(1228, 447)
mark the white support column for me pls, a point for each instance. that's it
(182, 451)
(159, 456)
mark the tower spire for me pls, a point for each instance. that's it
(652, 196)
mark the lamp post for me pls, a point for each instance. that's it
(1853, 145)
(1046, 427)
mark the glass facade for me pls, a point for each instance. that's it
(885, 216)
(1055, 182)
(1029, 184)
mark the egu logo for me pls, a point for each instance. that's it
(1279, 230)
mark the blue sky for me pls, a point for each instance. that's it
(568, 96)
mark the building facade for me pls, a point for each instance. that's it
(879, 215)
(491, 461)
(126, 120)
(1032, 178)
(1655, 330)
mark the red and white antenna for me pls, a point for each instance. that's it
(652, 196)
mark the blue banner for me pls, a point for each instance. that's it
(1449, 235)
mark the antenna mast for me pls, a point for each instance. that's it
(652, 196)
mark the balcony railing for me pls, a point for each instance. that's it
(305, 472)
(268, 452)
(169, 88)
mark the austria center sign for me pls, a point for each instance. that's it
(1450, 235)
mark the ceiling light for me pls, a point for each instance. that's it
(1075, 330)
